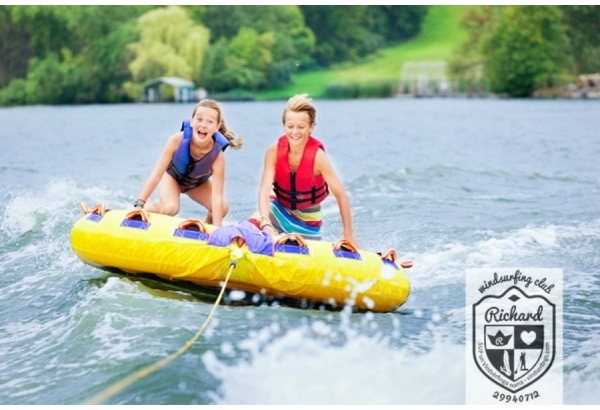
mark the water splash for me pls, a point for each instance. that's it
(313, 370)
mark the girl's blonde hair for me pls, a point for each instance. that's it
(301, 103)
(235, 140)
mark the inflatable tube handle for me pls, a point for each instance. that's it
(347, 245)
(84, 208)
(138, 214)
(291, 236)
(99, 209)
(389, 255)
(185, 225)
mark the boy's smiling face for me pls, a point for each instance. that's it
(297, 127)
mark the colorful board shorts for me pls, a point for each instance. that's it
(306, 222)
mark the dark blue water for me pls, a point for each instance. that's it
(449, 184)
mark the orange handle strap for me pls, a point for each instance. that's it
(389, 255)
(193, 222)
(345, 245)
(84, 208)
(138, 214)
(99, 209)
(291, 236)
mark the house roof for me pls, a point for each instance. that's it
(173, 81)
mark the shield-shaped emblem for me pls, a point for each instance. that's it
(514, 337)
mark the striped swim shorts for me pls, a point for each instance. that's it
(306, 222)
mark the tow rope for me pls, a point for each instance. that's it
(140, 374)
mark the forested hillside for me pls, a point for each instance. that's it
(83, 54)
(103, 54)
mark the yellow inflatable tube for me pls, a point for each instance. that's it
(178, 249)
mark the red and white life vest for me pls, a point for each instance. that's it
(302, 188)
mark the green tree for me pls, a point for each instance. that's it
(170, 44)
(54, 80)
(251, 49)
(466, 64)
(27, 32)
(214, 76)
(352, 32)
(402, 22)
(342, 32)
(90, 40)
(584, 33)
(258, 47)
(102, 34)
(226, 21)
(241, 63)
(223, 21)
(528, 48)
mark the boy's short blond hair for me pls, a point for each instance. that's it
(301, 103)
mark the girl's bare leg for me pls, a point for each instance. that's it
(203, 196)
(168, 203)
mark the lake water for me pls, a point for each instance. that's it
(449, 184)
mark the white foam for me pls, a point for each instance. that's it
(581, 387)
(43, 210)
(447, 262)
(296, 368)
(237, 295)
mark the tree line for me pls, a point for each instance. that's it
(102, 54)
(520, 50)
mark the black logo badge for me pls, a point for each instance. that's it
(514, 338)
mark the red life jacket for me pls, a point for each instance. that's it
(302, 188)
